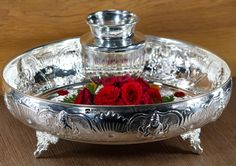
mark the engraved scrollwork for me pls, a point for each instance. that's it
(110, 121)
(156, 124)
(74, 123)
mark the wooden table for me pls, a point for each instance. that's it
(17, 143)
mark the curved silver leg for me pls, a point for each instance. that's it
(194, 139)
(44, 140)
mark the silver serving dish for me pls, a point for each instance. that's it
(170, 63)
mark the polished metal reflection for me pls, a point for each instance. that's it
(169, 62)
(112, 48)
(112, 28)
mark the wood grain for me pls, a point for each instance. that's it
(211, 24)
(17, 142)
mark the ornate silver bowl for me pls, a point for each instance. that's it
(171, 63)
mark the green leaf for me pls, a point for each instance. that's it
(92, 87)
(166, 99)
(70, 99)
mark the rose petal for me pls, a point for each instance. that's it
(131, 93)
(154, 95)
(124, 79)
(109, 81)
(146, 99)
(143, 83)
(62, 92)
(108, 95)
(84, 97)
(120, 102)
(179, 94)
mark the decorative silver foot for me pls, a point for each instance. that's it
(44, 140)
(194, 139)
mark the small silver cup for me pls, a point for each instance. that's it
(114, 47)
(112, 28)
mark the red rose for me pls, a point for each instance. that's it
(121, 90)
(117, 81)
(84, 97)
(109, 81)
(108, 95)
(131, 93)
(120, 102)
(146, 99)
(143, 83)
(124, 79)
(154, 94)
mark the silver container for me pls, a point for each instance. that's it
(171, 63)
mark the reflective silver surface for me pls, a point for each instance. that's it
(112, 47)
(112, 28)
(44, 140)
(168, 61)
